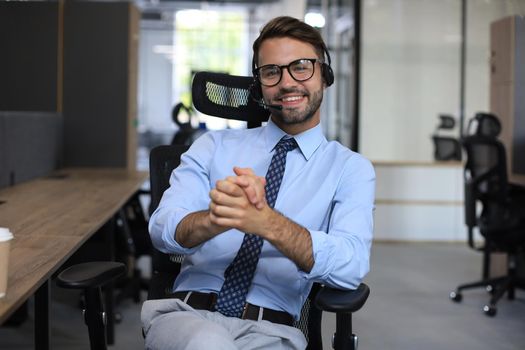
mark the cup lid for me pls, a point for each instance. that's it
(5, 234)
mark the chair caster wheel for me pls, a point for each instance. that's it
(456, 296)
(490, 310)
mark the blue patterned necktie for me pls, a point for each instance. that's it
(239, 274)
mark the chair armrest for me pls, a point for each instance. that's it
(90, 275)
(337, 300)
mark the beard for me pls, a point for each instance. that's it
(291, 116)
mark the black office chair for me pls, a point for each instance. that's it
(91, 277)
(132, 243)
(446, 147)
(228, 97)
(501, 220)
(186, 132)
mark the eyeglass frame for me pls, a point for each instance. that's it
(287, 66)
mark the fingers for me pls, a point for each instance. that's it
(252, 185)
(229, 204)
(248, 171)
(242, 171)
(228, 194)
(239, 201)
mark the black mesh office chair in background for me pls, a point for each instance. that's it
(446, 147)
(228, 96)
(494, 206)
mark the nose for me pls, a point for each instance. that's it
(287, 78)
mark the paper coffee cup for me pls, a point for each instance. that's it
(5, 241)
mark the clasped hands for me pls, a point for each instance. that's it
(240, 202)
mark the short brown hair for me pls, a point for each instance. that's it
(285, 26)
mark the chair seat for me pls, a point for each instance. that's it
(90, 275)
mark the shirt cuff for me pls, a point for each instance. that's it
(321, 257)
(168, 233)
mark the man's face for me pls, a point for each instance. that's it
(300, 99)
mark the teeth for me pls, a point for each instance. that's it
(292, 98)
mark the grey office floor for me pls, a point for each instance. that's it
(408, 308)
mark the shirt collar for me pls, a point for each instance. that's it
(308, 140)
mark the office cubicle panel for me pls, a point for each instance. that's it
(518, 137)
(31, 145)
(3, 155)
(507, 89)
(100, 40)
(29, 56)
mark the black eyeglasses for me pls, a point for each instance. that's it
(271, 74)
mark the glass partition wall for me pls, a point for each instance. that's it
(418, 59)
(412, 70)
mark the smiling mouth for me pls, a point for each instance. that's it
(291, 101)
(292, 98)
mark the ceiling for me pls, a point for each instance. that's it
(162, 10)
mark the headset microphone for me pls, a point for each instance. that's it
(256, 95)
(261, 103)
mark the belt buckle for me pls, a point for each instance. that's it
(187, 297)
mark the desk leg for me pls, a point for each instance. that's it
(109, 292)
(110, 313)
(42, 317)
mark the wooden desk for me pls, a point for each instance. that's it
(51, 218)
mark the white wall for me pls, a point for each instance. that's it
(411, 70)
(419, 202)
(410, 74)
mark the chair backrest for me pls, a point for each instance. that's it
(163, 159)
(446, 147)
(186, 133)
(227, 96)
(446, 122)
(484, 124)
(485, 175)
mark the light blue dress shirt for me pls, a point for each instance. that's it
(326, 188)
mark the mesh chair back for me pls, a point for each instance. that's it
(446, 148)
(484, 124)
(485, 181)
(163, 159)
(446, 122)
(227, 96)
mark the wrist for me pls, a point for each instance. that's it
(273, 223)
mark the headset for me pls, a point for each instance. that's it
(256, 90)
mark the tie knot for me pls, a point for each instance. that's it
(286, 144)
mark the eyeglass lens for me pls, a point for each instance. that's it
(300, 70)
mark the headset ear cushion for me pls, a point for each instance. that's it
(328, 74)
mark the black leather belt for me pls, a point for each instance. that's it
(206, 301)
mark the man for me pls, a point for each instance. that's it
(255, 243)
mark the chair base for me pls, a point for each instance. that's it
(497, 287)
